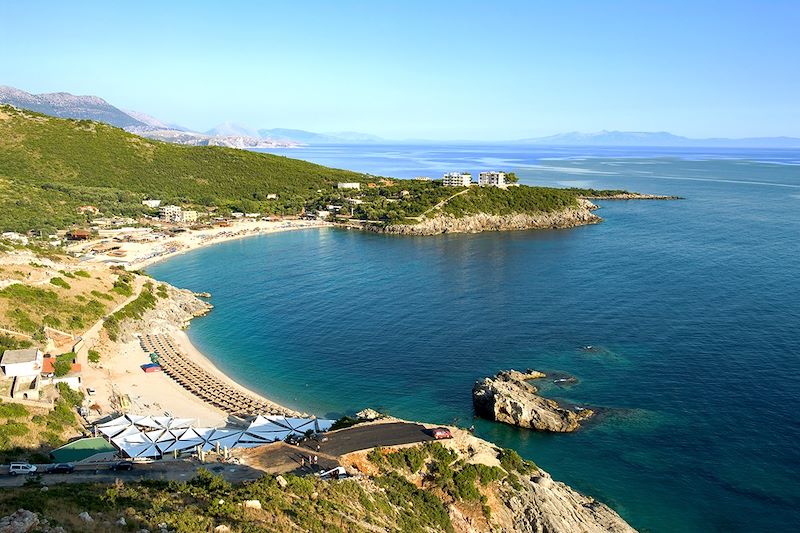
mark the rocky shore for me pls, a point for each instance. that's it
(508, 397)
(442, 223)
(634, 196)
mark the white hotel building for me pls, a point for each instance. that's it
(492, 179)
(457, 179)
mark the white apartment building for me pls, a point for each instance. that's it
(348, 185)
(457, 179)
(154, 204)
(170, 213)
(492, 179)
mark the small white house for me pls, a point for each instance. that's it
(348, 185)
(457, 179)
(26, 362)
(153, 204)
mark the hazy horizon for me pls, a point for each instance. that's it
(423, 71)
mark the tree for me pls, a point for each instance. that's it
(511, 177)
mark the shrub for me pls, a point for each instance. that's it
(13, 410)
(59, 282)
(512, 462)
(94, 356)
(82, 273)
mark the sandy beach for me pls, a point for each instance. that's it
(146, 247)
(119, 372)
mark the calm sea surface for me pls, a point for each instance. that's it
(694, 307)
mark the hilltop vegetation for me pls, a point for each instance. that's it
(50, 166)
(389, 500)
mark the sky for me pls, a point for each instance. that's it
(407, 69)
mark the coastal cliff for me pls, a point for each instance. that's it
(508, 397)
(506, 493)
(446, 223)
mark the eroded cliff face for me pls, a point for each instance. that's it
(508, 397)
(567, 218)
(527, 500)
(548, 506)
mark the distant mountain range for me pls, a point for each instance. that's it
(66, 105)
(657, 139)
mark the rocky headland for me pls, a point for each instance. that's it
(445, 223)
(508, 397)
(633, 196)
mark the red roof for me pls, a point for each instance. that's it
(48, 368)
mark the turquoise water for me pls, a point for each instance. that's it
(694, 304)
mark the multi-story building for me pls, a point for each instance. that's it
(457, 179)
(492, 179)
(348, 185)
(187, 217)
(170, 213)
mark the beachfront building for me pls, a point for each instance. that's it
(153, 204)
(492, 179)
(170, 213)
(187, 217)
(348, 185)
(27, 362)
(457, 179)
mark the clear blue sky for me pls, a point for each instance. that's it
(432, 69)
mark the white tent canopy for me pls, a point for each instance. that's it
(145, 436)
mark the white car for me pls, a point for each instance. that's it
(21, 468)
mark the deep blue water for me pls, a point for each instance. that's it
(695, 304)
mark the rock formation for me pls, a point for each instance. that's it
(509, 398)
(566, 218)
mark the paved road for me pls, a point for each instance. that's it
(372, 435)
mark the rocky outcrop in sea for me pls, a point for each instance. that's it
(508, 397)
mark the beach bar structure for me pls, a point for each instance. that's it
(138, 436)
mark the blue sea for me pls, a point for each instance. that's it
(692, 307)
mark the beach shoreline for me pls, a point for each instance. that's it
(141, 253)
(119, 373)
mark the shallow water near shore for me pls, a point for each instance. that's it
(694, 304)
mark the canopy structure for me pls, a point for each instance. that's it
(144, 436)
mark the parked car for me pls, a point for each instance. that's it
(61, 468)
(121, 465)
(294, 439)
(90, 391)
(335, 473)
(441, 433)
(21, 468)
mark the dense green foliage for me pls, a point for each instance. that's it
(202, 503)
(49, 167)
(522, 199)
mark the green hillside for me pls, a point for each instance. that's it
(51, 166)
